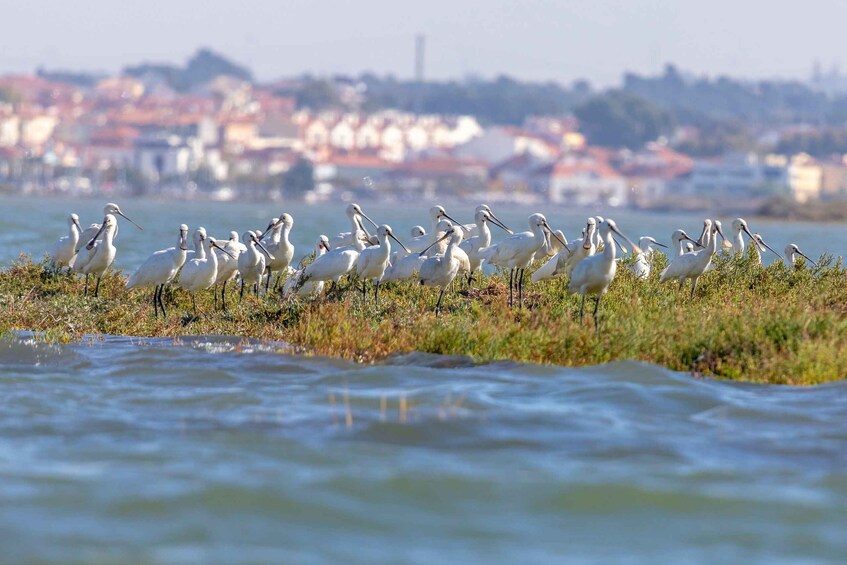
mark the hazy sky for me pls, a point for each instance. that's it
(529, 39)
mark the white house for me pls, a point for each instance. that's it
(500, 143)
(160, 158)
(583, 180)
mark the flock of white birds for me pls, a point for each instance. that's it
(433, 259)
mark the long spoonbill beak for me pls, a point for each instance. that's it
(635, 249)
(365, 216)
(496, 221)
(125, 217)
(391, 235)
(263, 248)
(90, 244)
(618, 243)
(436, 242)
(216, 246)
(554, 234)
(807, 258)
(768, 247)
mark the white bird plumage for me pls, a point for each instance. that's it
(440, 270)
(791, 250)
(335, 264)
(594, 274)
(644, 260)
(481, 240)
(354, 214)
(251, 262)
(99, 253)
(309, 288)
(64, 249)
(200, 272)
(159, 269)
(693, 265)
(517, 252)
(280, 247)
(372, 261)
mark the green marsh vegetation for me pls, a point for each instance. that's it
(747, 322)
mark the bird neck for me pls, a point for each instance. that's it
(384, 246)
(738, 242)
(451, 245)
(484, 234)
(609, 251)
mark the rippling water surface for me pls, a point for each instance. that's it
(220, 450)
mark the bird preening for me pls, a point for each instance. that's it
(450, 255)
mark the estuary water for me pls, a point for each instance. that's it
(223, 450)
(220, 450)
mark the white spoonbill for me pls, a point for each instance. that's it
(309, 288)
(643, 262)
(65, 249)
(251, 262)
(354, 214)
(109, 208)
(554, 247)
(159, 269)
(373, 260)
(480, 241)
(791, 250)
(693, 265)
(761, 246)
(335, 264)
(436, 215)
(228, 265)
(420, 240)
(92, 231)
(517, 252)
(705, 235)
(280, 247)
(441, 270)
(739, 225)
(472, 230)
(594, 274)
(577, 251)
(679, 237)
(100, 252)
(405, 268)
(200, 272)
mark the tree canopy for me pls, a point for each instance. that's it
(620, 119)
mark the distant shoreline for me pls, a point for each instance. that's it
(776, 209)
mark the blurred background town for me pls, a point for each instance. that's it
(207, 128)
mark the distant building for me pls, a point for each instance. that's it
(738, 176)
(805, 178)
(586, 179)
(162, 158)
(500, 143)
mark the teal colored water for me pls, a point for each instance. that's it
(216, 450)
(221, 450)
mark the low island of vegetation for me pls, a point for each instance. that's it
(747, 322)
